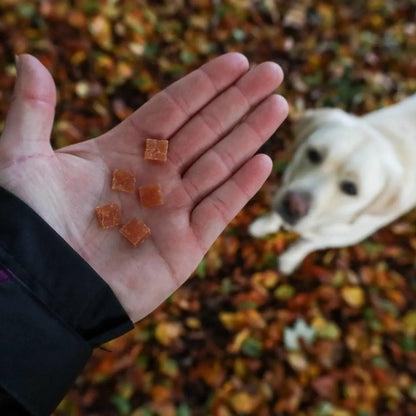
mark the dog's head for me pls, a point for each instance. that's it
(342, 169)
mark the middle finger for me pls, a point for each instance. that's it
(207, 127)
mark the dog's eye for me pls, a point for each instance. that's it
(349, 188)
(314, 156)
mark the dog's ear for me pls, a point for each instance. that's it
(388, 199)
(311, 120)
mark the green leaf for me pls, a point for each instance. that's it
(142, 360)
(251, 347)
(372, 248)
(279, 166)
(412, 391)
(188, 57)
(248, 304)
(176, 70)
(408, 344)
(379, 362)
(389, 307)
(329, 331)
(325, 409)
(169, 366)
(284, 292)
(369, 314)
(151, 49)
(121, 404)
(26, 10)
(339, 278)
(270, 261)
(91, 6)
(226, 286)
(314, 79)
(145, 334)
(239, 35)
(183, 410)
(143, 411)
(201, 269)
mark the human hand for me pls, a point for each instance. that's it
(211, 173)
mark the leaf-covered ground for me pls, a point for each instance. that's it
(225, 343)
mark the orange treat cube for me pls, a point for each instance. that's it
(108, 216)
(156, 150)
(151, 195)
(123, 180)
(135, 231)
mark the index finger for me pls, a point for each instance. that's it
(167, 111)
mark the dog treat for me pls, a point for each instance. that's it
(135, 231)
(156, 150)
(108, 216)
(123, 180)
(151, 195)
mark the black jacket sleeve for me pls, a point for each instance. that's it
(54, 309)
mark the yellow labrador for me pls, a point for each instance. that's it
(349, 177)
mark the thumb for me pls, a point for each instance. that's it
(29, 122)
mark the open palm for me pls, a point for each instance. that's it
(215, 119)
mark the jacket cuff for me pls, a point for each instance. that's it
(55, 274)
(40, 356)
(54, 308)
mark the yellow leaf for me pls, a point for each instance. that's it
(100, 30)
(353, 295)
(409, 322)
(297, 361)
(167, 332)
(246, 318)
(267, 279)
(238, 340)
(244, 403)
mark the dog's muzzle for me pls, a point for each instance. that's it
(293, 206)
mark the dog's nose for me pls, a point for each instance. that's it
(294, 206)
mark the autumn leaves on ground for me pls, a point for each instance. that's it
(337, 338)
